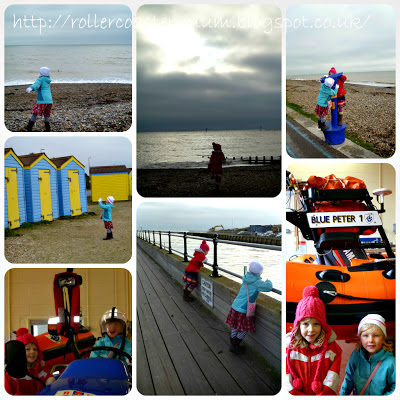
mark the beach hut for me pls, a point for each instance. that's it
(40, 179)
(71, 184)
(14, 196)
(130, 180)
(110, 181)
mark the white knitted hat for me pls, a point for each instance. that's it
(374, 319)
(256, 267)
(329, 82)
(110, 199)
(44, 71)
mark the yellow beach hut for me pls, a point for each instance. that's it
(110, 181)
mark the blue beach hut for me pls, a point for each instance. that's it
(14, 196)
(40, 178)
(72, 198)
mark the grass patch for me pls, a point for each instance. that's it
(300, 110)
(351, 136)
(11, 233)
(81, 216)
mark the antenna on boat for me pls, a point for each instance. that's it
(380, 194)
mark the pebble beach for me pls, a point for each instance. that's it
(370, 111)
(251, 181)
(77, 107)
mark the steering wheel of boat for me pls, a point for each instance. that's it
(118, 352)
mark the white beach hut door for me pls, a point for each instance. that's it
(45, 195)
(74, 194)
(12, 198)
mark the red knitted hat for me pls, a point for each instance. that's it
(25, 337)
(310, 306)
(333, 70)
(216, 146)
(204, 246)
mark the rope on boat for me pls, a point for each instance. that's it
(345, 296)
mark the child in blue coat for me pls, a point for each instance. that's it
(113, 331)
(44, 101)
(106, 215)
(371, 350)
(324, 96)
(237, 319)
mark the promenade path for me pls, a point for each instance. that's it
(182, 348)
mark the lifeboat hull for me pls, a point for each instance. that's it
(354, 286)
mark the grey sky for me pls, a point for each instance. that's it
(356, 38)
(196, 215)
(194, 71)
(67, 24)
(103, 151)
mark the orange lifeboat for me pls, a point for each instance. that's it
(351, 282)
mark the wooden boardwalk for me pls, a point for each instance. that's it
(182, 348)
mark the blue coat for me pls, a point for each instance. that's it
(255, 285)
(325, 94)
(107, 341)
(359, 368)
(42, 87)
(107, 207)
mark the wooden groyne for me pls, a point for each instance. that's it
(260, 160)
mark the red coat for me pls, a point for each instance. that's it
(27, 385)
(196, 262)
(341, 92)
(216, 160)
(304, 362)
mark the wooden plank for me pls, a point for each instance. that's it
(242, 372)
(190, 375)
(165, 378)
(216, 374)
(143, 374)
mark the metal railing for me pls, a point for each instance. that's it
(150, 237)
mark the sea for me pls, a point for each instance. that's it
(235, 258)
(69, 63)
(192, 149)
(372, 78)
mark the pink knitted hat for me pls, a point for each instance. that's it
(204, 246)
(333, 70)
(25, 337)
(310, 306)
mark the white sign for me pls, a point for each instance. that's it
(343, 219)
(207, 291)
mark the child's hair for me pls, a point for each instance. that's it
(372, 328)
(299, 341)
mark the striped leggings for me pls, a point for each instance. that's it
(239, 335)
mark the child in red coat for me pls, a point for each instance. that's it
(36, 368)
(312, 356)
(215, 165)
(193, 268)
(341, 100)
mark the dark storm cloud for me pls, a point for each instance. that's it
(185, 102)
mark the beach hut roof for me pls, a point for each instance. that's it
(108, 170)
(8, 151)
(29, 160)
(61, 161)
(129, 170)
